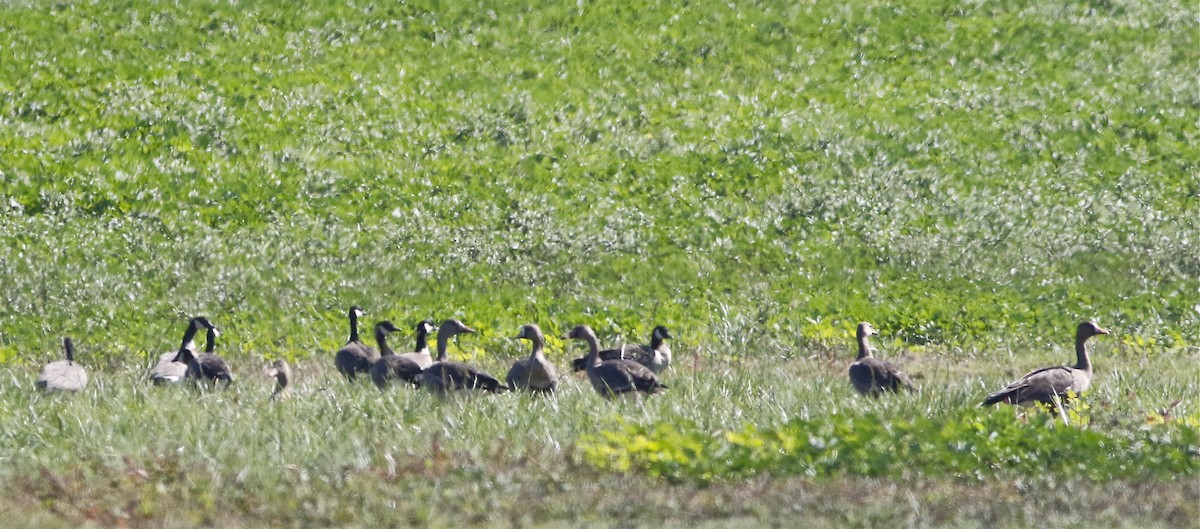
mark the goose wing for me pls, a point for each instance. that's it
(871, 376)
(167, 370)
(1036, 386)
(62, 375)
(394, 367)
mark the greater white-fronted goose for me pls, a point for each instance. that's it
(614, 377)
(420, 354)
(168, 371)
(1053, 383)
(63, 375)
(355, 357)
(444, 375)
(206, 366)
(282, 373)
(870, 375)
(656, 356)
(390, 366)
(535, 373)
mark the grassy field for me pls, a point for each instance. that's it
(973, 178)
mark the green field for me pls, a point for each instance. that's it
(974, 178)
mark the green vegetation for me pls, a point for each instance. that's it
(974, 178)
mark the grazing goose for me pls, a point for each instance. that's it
(445, 375)
(656, 356)
(206, 365)
(420, 355)
(283, 375)
(168, 371)
(63, 375)
(872, 376)
(614, 377)
(1052, 383)
(355, 357)
(533, 373)
(391, 366)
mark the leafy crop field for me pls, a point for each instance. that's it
(974, 178)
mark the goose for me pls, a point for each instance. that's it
(206, 365)
(420, 355)
(168, 371)
(533, 373)
(355, 357)
(1053, 383)
(391, 366)
(656, 356)
(445, 375)
(283, 374)
(63, 375)
(872, 376)
(614, 377)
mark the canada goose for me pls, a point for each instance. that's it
(420, 354)
(355, 357)
(283, 374)
(63, 375)
(613, 377)
(872, 376)
(206, 365)
(533, 373)
(391, 366)
(656, 356)
(445, 375)
(1053, 383)
(168, 371)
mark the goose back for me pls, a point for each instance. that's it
(63, 375)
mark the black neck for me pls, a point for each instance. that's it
(69, 348)
(422, 340)
(381, 340)
(190, 334)
(353, 327)
(211, 341)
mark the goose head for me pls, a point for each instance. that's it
(1089, 329)
(452, 327)
(529, 332)
(866, 329)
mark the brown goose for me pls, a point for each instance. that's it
(613, 377)
(391, 366)
(533, 373)
(420, 355)
(283, 375)
(656, 356)
(168, 371)
(445, 375)
(63, 375)
(207, 365)
(355, 357)
(872, 376)
(1052, 383)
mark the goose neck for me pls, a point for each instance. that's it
(353, 327)
(864, 348)
(1082, 358)
(443, 342)
(381, 341)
